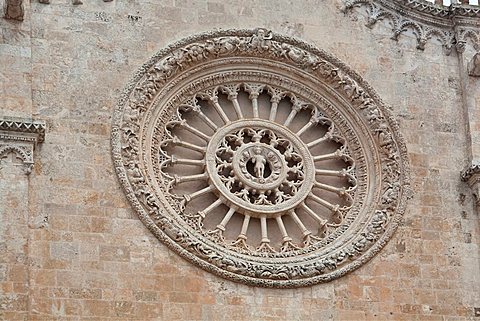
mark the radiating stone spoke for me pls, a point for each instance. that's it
(241, 241)
(321, 201)
(337, 190)
(226, 219)
(234, 99)
(193, 130)
(338, 154)
(283, 230)
(190, 178)
(276, 96)
(232, 95)
(199, 193)
(322, 139)
(297, 106)
(198, 111)
(314, 215)
(254, 91)
(265, 242)
(298, 222)
(305, 128)
(182, 179)
(178, 142)
(274, 107)
(254, 98)
(219, 109)
(210, 208)
(327, 172)
(246, 222)
(186, 161)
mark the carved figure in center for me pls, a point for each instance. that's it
(259, 160)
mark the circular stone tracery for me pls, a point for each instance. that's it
(260, 158)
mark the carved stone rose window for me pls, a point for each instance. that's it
(260, 158)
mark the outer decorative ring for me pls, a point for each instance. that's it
(340, 88)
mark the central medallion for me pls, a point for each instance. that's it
(257, 169)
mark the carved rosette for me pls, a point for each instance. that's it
(260, 158)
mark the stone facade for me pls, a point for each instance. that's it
(73, 248)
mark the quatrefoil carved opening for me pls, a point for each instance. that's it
(260, 158)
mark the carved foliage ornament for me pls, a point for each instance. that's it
(260, 158)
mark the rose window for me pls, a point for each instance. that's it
(260, 158)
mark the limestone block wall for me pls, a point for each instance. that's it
(71, 247)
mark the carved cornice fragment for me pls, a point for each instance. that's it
(453, 26)
(14, 9)
(24, 126)
(20, 137)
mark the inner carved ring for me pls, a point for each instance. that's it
(257, 170)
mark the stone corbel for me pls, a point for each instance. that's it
(472, 177)
(14, 9)
(20, 137)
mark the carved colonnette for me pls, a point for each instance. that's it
(210, 102)
(20, 137)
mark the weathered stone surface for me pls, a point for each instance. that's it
(68, 64)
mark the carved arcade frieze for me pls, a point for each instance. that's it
(20, 137)
(454, 26)
(260, 158)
